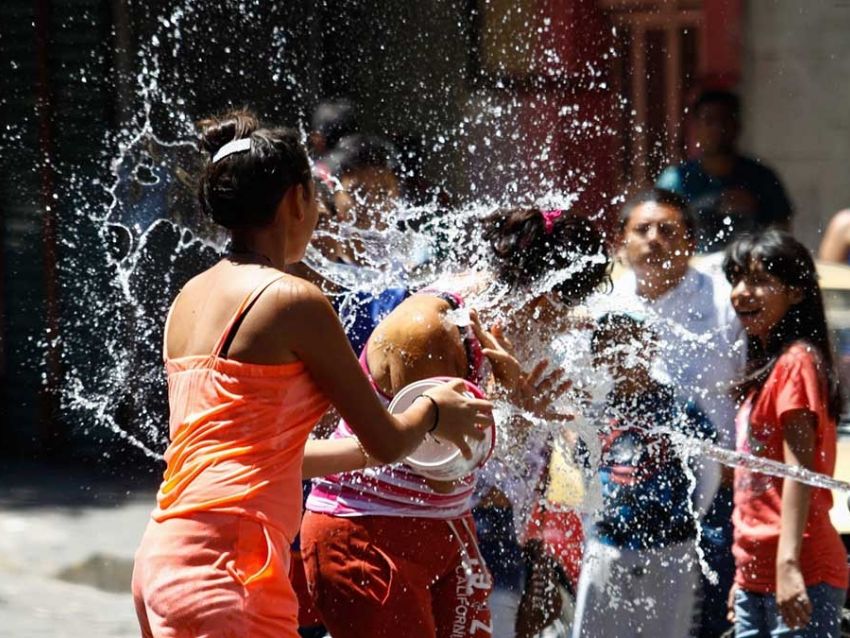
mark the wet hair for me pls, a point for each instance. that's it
(363, 151)
(785, 258)
(243, 190)
(662, 197)
(524, 252)
(726, 98)
(333, 120)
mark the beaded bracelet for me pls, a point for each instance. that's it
(436, 411)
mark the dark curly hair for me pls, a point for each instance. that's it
(243, 190)
(525, 251)
(661, 197)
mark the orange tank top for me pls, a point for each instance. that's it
(237, 434)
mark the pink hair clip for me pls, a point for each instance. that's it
(549, 218)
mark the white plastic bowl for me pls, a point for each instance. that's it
(441, 460)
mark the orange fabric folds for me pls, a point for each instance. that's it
(216, 553)
(237, 434)
(237, 439)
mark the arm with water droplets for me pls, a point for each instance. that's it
(315, 336)
(798, 432)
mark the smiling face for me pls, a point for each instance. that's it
(761, 300)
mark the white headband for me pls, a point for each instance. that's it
(234, 146)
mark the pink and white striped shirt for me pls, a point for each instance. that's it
(395, 490)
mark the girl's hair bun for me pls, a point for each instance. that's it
(526, 249)
(243, 189)
(217, 130)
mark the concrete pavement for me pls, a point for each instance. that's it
(66, 551)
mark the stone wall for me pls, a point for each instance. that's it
(796, 100)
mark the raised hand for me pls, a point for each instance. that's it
(533, 392)
(460, 416)
(500, 352)
(537, 392)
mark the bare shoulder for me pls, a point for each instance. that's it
(201, 282)
(840, 222)
(835, 244)
(414, 342)
(420, 317)
(296, 296)
(195, 293)
(290, 286)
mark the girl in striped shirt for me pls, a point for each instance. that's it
(389, 551)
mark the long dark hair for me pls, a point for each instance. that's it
(785, 258)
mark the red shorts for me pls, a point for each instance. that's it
(374, 576)
(308, 615)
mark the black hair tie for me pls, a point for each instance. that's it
(436, 411)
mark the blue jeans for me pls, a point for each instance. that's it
(498, 544)
(757, 616)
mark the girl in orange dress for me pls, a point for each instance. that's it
(254, 357)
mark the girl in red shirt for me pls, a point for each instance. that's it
(791, 566)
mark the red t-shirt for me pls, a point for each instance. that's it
(795, 383)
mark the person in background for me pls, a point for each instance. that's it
(640, 571)
(835, 248)
(703, 354)
(791, 577)
(367, 167)
(835, 245)
(418, 189)
(367, 170)
(332, 120)
(730, 193)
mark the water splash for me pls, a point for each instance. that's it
(150, 238)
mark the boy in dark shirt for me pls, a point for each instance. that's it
(729, 193)
(640, 572)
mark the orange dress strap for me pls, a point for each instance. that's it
(229, 332)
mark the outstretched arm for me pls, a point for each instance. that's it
(330, 456)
